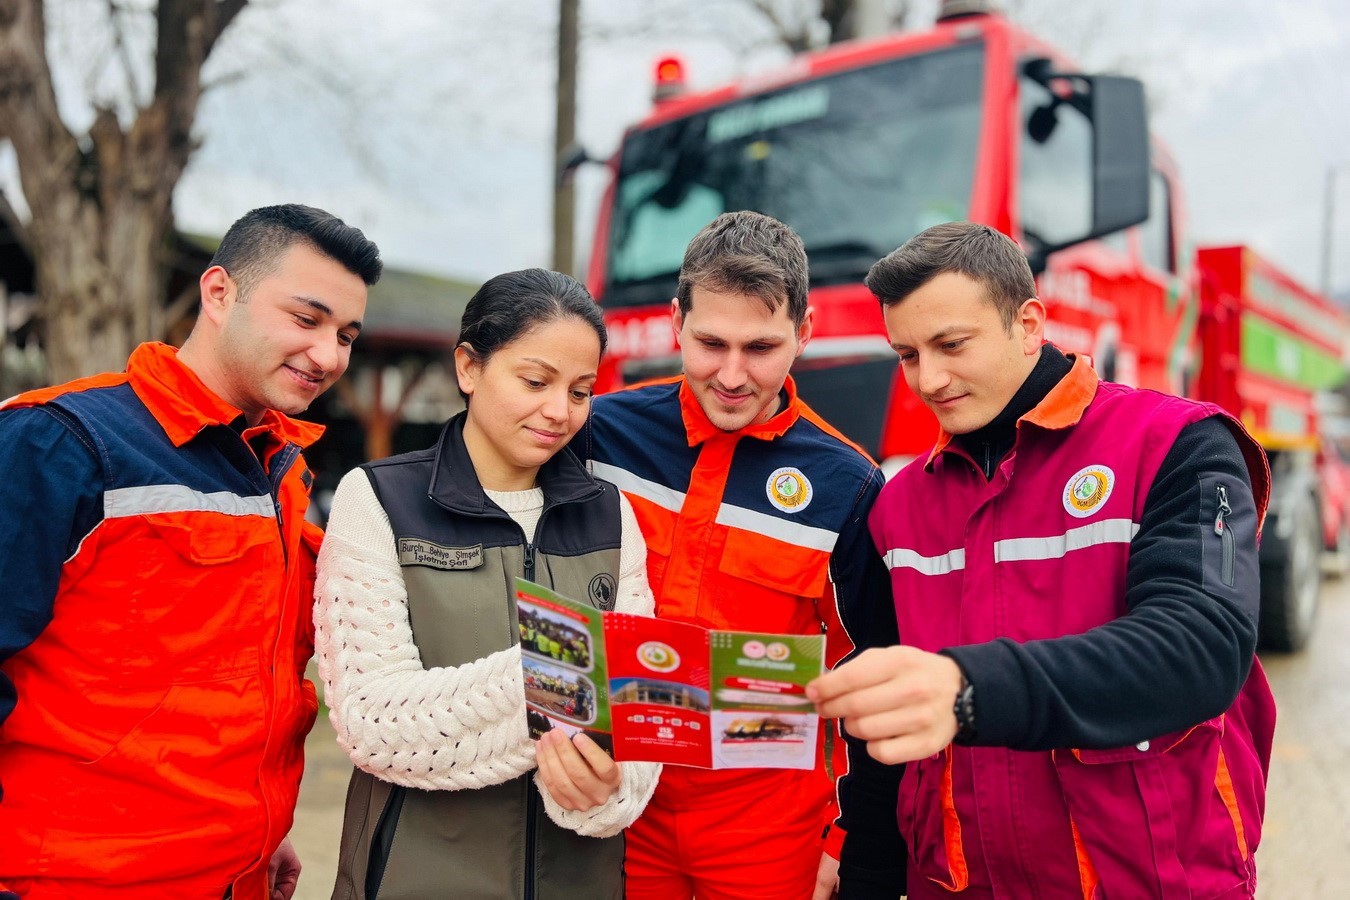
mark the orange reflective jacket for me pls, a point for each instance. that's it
(155, 749)
(761, 529)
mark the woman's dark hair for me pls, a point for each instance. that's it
(509, 305)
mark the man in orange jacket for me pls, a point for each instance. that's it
(754, 510)
(158, 576)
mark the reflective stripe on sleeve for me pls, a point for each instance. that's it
(942, 564)
(166, 498)
(1107, 531)
(665, 497)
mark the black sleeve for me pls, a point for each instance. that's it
(872, 862)
(1183, 649)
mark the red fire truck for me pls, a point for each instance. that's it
(861, 146)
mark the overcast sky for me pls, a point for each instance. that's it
(430, 125)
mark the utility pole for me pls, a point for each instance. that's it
(564, 134)
(1328, 224)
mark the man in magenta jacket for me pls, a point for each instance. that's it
(1075, 577)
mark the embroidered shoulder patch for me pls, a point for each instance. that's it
(1088, 489)
(789, 489)
(412, 552)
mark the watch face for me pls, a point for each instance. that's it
(965, 712)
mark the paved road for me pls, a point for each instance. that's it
(1305, 852)
(318, 817)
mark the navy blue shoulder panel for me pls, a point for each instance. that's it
(768, 476)
(642, 432)
(136, 452)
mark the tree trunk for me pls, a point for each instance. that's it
(100, 285)
(102, 206)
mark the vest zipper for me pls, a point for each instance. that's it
(531, 815)
(1225, 534)
(531, 800)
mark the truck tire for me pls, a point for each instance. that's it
(1291, 578)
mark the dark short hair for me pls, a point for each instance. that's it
(509, 305)
(252, 248)
(747, 253)
(978, 252)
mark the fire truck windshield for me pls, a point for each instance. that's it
(857, 162)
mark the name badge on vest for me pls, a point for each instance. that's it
(413, 552)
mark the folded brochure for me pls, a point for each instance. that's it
(670, 692)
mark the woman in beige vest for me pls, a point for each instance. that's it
(417, 637)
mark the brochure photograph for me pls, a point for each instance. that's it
(670, 692)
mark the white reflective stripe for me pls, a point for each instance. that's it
(163, 498)
(942, 564)
(626, 481)
(731, 516)
(1107, 531)
(780, 529)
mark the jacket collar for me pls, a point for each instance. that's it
(698, 429)
(183, 405)
(1062, 407)
(455, 485)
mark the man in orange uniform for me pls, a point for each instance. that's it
(754, 511)
(158, 573)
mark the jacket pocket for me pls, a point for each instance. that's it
(930, 824)
(1159, 817)
(213, 541)
(205, 594)
(768, 585)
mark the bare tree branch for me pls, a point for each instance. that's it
(226, 10)
(224, 80)
(29, 116)
(794, 35)
(115, 13)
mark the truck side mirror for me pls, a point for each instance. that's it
(1114, 109)
(570, 158)
(1120, 167)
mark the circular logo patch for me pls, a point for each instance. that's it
(1087, 490)
(658, 657)
(789, 489)
(602, 591)
(778, 651)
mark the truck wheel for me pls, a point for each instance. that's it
(1291, 581)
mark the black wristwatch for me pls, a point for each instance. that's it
(964, 708)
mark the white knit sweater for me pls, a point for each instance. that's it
(452, 728)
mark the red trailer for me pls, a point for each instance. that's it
(1269, 347)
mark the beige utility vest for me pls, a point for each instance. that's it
(460, 554)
